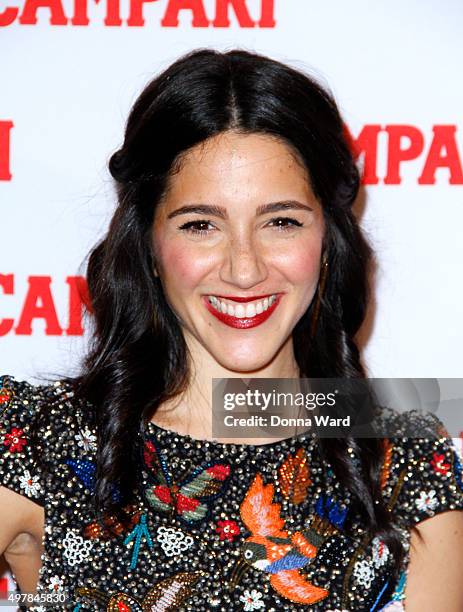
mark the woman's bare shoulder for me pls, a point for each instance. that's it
(436, 558)
(35, 422)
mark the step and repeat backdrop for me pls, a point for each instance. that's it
(70, 71)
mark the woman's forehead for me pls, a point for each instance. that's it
(233, 165)
(233, 150)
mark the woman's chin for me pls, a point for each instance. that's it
(245, 364)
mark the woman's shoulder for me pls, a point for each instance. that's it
(422, 469)
(27, 405)
(38, 424)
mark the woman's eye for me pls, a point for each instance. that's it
(200, 227)
(285, 223)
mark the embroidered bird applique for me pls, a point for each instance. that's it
(272, 549)
(166, 596)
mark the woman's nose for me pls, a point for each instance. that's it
(243, 264)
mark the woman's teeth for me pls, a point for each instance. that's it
(242, 311)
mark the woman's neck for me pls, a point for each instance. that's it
(191, 412)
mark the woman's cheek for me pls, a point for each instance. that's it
(185, 265)
(301, 265)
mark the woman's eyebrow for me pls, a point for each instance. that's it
(219, 211)
(279, 206)
(200, 209)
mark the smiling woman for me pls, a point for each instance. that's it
(243, 262)
(233, 252)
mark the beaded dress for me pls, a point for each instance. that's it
(215, 527)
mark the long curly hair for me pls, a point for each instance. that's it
(138, 357)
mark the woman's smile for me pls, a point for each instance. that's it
(234, 313)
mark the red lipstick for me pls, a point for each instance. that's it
(246, 322)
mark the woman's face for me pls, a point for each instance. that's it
(238, 240)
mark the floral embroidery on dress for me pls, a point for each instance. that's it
(76, 549)
(299, 543)
(364, 573)
(56, 584)
(273, 550)
(86, 440)
(427, 500)
(439, 465)
(30, 484)
(15, 440)
(173, 541)
(252, 600)
(228, 530)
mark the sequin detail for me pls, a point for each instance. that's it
(302, 535)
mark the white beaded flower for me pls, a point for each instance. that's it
(30, 484)
(86, 440)
(364, 573)
(173, 541)
(252, 600)
(380, 552)
(56, 584)
(427, 500)
(76, 549)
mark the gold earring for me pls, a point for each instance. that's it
(320, 290)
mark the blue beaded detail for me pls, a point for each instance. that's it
(326, 507)
(458, 469)
(373, 608)
(399, 592)
(84, 470)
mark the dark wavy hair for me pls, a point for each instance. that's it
(138, 356)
